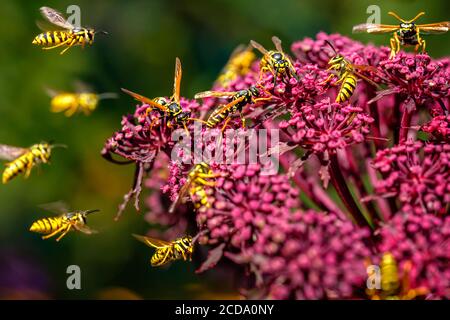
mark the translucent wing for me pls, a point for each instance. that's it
(207, 94)
(183, 191)
(58, 207)
(152, 242)
(145, 100)
(230, 105)
(10, 153)
(51, 92)
(374, 28)
(434, 28)
(85, 229)
(258, 47)
(367, 79)
(177, 80)
(364, 67)
(56, 18)
(82, 87)
(277, 42)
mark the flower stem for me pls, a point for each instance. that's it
(404, 125)
(338, 181)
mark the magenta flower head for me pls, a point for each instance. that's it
(145, 133)
(438, 128)
(327, 127)
(423, 241)
(312, 255)
(418, 174)
(318, 51)
(417, 79)
(245, 202)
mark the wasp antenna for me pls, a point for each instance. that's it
(59, 145)
(331, 46)
(102, 32)
(416, 17)
(396, 16)
(91, 211)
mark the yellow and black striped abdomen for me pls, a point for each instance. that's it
(217, 117)
(347, 88)
(52, 38)
(162, 256)
(16, 167)
(46, 225)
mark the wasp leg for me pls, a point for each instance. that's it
(70, 112)
(242, 119)
(58, 45)
(395, 46)
(64, 233)
(53, 233)
(70, 45)
(331, 76)
(28, 168)
(225, 124)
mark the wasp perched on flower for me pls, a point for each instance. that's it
(407, 33)
(198, 178)
(63, 223)
(275, 61)
(68, 38)
(181, 248)
(239, 100)
(347, 74)
(70, 103)
(239, 64)
(24, 159)
(170, 107)
(392, 287)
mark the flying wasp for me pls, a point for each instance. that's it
(170, 107)
(239, 100)
(181, 248)
(407, 33)
(69, 37)
(392, 287)
(24, 159)
(347, 74)
(63, 223)
(275, 61)
(198, 178)
(84, 100)
(239, 64)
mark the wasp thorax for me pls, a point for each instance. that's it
(174, 107)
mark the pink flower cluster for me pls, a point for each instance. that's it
(295, 235)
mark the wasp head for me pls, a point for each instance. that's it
(254, 91)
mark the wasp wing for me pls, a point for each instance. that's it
(177, 80)
(55, 18)
(58, 207)
(374, 28)
(152, 242)
(85, 229)
(144, 100)
(11, 153)
(258, 47)
(227, 106)
(434, 28)
(183, 191)
(208, 94)
(277, 42)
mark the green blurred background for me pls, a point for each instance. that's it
(145, 37)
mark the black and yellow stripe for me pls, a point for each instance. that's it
(217, 117)
(47, 225)
(347, 88)
(52, 38)
(178, 249)
(35, 155)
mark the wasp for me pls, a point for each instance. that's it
(181, 248)
(407, 33)
(24, 159)
(392, 287)
(83, 101)
(347, 74)
(69, 37)
(275, 61)
(62, 224)
(239, 99)
(170, 107)
(239, 64)
(198, 178)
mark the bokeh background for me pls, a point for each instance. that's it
(145, 37)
